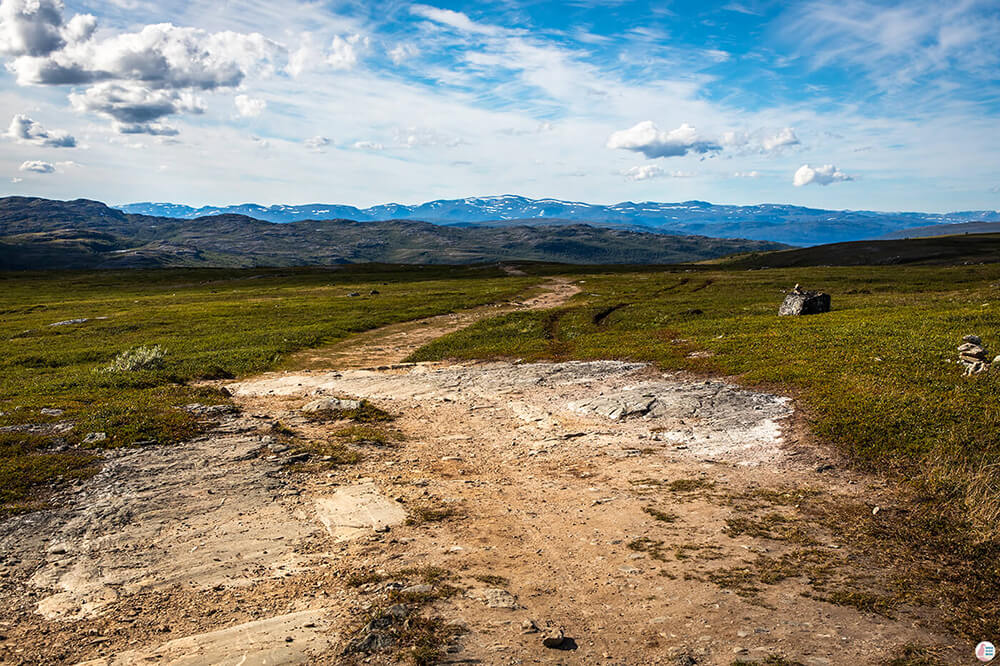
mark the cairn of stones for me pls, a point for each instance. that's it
(973, 356)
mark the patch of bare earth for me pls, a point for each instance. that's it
(652, 518)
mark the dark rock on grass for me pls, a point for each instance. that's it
(805, 303)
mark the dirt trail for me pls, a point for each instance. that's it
(391, 344)
(599, 497)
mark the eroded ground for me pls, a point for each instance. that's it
(653, 518)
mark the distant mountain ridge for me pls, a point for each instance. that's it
(782, 223)
(42, 233)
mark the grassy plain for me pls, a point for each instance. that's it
(211, 323)
(876, 377)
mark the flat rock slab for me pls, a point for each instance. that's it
(710, 419)
(356, 510)
(257, 643)
(204, 514)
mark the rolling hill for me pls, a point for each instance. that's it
(40, 233)
(943, 250)
(953, 229)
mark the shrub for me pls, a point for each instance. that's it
(138, 358)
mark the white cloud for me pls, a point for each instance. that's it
(343, 53)
(821, 175)
(897, 44)
(368, 145)
(135, 78)
(16, 180)
(646, 138)
(402, 52)
(452, 19)
(418, 137)
(644, 172)
(249, 107)
(746, 174)
(779, 139)
(37, 166)
(761, 141)
(650, 171)
(25, 130)
(317, 143)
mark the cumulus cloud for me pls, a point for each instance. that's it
(746, 174)
(249, 107)
(16, 180)
(25, 130)
(649, 171)
(135, 109)
(644, 172)
(648, 139)
(343, 53)
(33, 27)
(368, 145)
(317, 143)
(821, 175)
(159, 56)
(779, 139)
(133, 78)
(761, 141)
(37, 166)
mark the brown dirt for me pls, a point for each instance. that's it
(621, 504)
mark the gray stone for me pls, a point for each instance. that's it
(974, 339)
(59, 549)
(805, 303)
(51, 411)
(418, 589)
(552, 636)
(330, 405)
(94, 437)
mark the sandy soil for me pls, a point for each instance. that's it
(230, 550)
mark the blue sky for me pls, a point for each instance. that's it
(830, 103)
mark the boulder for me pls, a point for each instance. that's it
(973, 339)
(805, 303)
(330, 405)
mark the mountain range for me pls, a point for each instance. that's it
(42, 233)
(794, 225)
